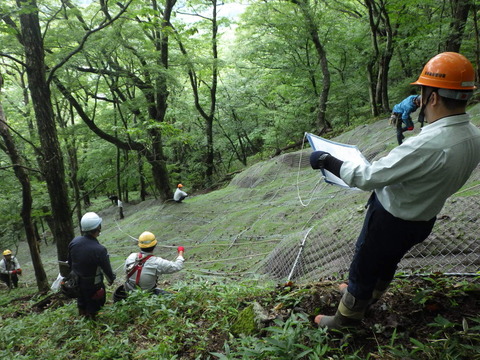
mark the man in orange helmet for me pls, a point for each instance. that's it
(179, 194)
(410, 185)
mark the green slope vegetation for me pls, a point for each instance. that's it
(241, 242)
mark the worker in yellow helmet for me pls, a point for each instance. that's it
(10, 269)
(144, 268)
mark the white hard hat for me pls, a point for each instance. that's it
(90, 221)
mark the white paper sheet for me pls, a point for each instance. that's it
(341, 151)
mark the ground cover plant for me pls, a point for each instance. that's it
(419, 318)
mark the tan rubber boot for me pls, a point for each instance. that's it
(380, 289)
(343, 288)
(349, 313)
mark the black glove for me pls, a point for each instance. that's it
(317, 159)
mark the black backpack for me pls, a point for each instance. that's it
(70, 285)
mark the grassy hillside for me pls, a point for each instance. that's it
(233, 237)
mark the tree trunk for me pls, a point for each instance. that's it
(477, 43)
(161, 180)
(71, 147)
(460, 11)
(52, 161)
(207, 114)
(154, 156)
(382, 37)
(371, 88)
(323, 125)
(26, 212)
(143, 186)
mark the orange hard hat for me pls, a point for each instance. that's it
(448, 70)
(179, 185)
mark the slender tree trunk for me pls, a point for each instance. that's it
(371, 88)
(26, 212)
(382, 38)
(323, 125)
(53, 167)
(70, 144)
(143, 186)
(477, 43)
(460, 11)
(118, 176)
(207, 114)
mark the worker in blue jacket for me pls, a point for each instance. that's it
(401, 115)
(90, 261)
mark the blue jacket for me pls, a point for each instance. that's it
(89, 259)
(406, 107)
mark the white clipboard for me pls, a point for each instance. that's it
(341, 151)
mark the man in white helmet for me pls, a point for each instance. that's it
(9, 269)
(143, 268)
(90, 261)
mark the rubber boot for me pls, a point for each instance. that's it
(349, 313)
(380, 288)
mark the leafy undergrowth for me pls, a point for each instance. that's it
(418, 318)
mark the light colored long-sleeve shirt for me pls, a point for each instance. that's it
(415, 179)
(152, 269)
(179, 194)
(5, 267)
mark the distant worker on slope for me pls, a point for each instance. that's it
(10, 269)
(410, 185)
(179, 194)
(143, 268)
(401, 118)
(90, 261)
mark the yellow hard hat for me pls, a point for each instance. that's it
(7, 252)
(146, 240)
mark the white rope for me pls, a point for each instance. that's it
(300, 250)
(130, 236)
(227, 259)
(467, 189)
(298, 177)
(229, 245)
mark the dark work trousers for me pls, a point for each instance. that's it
(10, 279)
(382, 243)
(92, 297)
(402, 127)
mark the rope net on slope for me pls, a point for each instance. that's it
(305, 230)
(453, 246)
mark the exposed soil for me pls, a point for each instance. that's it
(407, 310)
